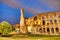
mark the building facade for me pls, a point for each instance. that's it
(44, 23)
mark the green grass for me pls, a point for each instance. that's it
(35, 37)
(0, 39)
(38, 37)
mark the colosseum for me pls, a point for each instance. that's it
(44, 23)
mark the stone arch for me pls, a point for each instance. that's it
(48, 30)
(42, 17)
(52, 30)
(40, 30)
(43, 22)
(35, 18)
(44, 30)
(57, 30)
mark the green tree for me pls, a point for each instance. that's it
(5, 28)
(1, 29)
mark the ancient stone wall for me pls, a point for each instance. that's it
(46, 23)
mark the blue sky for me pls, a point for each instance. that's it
(10, 9)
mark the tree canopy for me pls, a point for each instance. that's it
(5, 28)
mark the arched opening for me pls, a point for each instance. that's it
(43, 22)
(52, 30)
(55, 20)
(47, 23)
(35, 18)
(57, 30)
(48, 30)
(42, 17)
(59, 16)
(40, 30)
(18, 26)
(44, 30)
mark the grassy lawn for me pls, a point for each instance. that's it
(0, 39)
(32, 37)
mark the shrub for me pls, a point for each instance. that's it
(5, 28)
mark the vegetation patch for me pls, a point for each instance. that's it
(5, 28)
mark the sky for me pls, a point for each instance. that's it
(10, 9)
